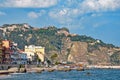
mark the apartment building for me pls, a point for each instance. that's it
(33, 51)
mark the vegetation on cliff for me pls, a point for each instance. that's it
(60, 45)
(115, 58)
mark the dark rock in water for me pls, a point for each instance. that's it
(88, 73)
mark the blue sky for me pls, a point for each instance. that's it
(99, 19)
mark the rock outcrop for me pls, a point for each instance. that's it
(62, 46)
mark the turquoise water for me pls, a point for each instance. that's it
(93, 74)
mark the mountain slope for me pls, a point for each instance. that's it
(61, 46)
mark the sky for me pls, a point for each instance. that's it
(99, 19)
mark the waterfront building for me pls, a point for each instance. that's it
(0, 52)
(33, 51)
(14, 53)
(40, 51)
(14, 57)
(6, 59)
(30, 56)
(11, 54)
(17, 56)
(22, 58)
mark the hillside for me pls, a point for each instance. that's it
(61, 45)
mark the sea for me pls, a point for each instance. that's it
(90, 74)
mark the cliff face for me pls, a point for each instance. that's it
(79, 53)
(61, 46)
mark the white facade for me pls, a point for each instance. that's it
(30, 56)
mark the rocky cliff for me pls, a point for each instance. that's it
(80, 53)
(61, 45)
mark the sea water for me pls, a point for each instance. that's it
(91, 74)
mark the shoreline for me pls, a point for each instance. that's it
(51, 69)
(102, 67)
(38, 70)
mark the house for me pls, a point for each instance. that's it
(33, 51)
(30, 56)
(11, 54)
(6, 59)
(23, 58)
(0, 52)
(17, 56)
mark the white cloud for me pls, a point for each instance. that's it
(2, 13)
(33, 15)
(28, 3)
(36, 14)
(42, 12)
(64, 15)
(63, 12)
(61, 16)
(100, 5)
(75, 8)
(96, 14)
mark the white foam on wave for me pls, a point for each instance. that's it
(17, 73)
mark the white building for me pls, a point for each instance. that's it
(30, 56)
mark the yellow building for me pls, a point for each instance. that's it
(38, 50)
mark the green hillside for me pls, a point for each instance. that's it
(57, 41)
